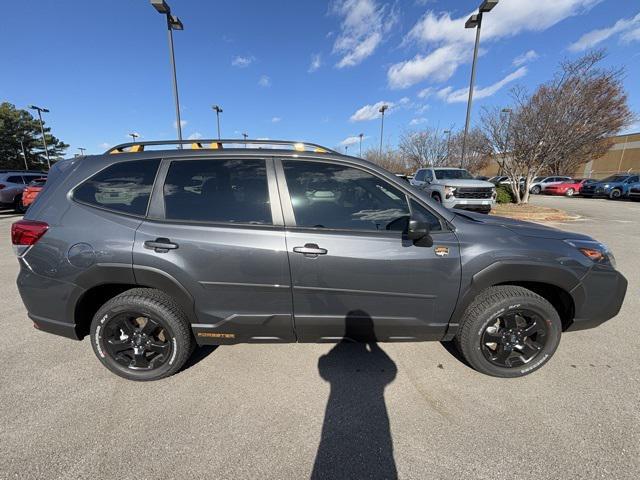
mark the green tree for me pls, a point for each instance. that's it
(18, 126)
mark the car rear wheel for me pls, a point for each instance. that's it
(615, 194)
(509, 331)
(18, 206)
(536, 190)
(142, 334)
(570, 192)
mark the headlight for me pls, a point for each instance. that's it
(606, 185)
(448, 191)
(595, 251)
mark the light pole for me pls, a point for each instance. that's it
(448, 133)
(361, 135)
(383, 108)
(218, 111)
(134, 135)
(24, 155)
(245, 135)
(173, 23)
(346, 149)
(474, 21)
(44, 140)
(82, 150)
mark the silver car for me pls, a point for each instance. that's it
(12, 184)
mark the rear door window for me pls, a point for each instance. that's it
(15, 179)
(123, 187)
(228, 191)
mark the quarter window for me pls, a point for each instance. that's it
(335, 196)
(232, 191)
(124, 187)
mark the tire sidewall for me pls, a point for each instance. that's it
(570, 192)
(158, 314)
(554, 332)
(615, 194)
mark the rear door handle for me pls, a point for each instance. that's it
(310, 249)
(161, 245)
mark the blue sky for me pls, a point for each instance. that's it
(308, 70)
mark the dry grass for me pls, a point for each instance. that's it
(533, 213)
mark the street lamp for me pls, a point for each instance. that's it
(383, 109)
(361, 135)
(474, 21)
(346, 149)
(44, 140)
(82, 150)
(245, 135)
(173, 23)
(218, 111)
(134, 135)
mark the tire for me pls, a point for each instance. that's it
(134, 349)
(436, 197)
(615, 194)
(536, 190)
(492, 315)
(18, 206)
(570, 192)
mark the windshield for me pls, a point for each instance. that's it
(453, 174)
(615, 178)
(538, 179)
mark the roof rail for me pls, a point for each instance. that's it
(215, 144)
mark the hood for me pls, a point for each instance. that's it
(521, 227)
(465, 183)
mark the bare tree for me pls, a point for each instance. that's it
(388, 159)
(424, 148)
(478, 151)
(563, 124)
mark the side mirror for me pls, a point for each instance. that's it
(417, 230)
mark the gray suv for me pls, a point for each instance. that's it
(151, 253)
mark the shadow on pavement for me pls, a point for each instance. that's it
(356, 438)
(199, 354)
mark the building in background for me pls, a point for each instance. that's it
(623, 156)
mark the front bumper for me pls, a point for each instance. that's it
(598, 297)
(476, 205)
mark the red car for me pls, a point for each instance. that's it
(31, 191)
(569, 188)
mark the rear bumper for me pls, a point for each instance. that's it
(600, 295)
(63, 329)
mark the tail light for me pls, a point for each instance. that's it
(2, 185)
(27, 232)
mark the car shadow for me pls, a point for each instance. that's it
(356, 438)
(199, 354)
(450, 347)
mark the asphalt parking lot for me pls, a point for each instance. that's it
(315, 411)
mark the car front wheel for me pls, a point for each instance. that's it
(509, 331)
(615, 194)
(141, 335)
(536, 190)
(570, 192)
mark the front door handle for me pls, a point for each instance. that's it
(310, 249)
(161, 245)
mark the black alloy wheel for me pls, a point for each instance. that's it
(615, 194)
(137, 342)
(514, 339)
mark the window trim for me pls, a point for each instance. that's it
(157, 213)
(72, 191)
(289, 215)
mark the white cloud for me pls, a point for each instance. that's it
(417, 121)
(594, 37)
(264, 81)
(526, 57)
(631, 36)
(316, 63)
(370, 112)
(242, 62)
(363, 28)
(633, 128)
(352, 140)
(450, 95)
(195, 136)
(276, 119)
(425, 92)
(449, 44)
(404, 101)
(183, 123)
(105, 145)
(420, 109)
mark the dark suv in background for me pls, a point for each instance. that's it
(152, 253)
